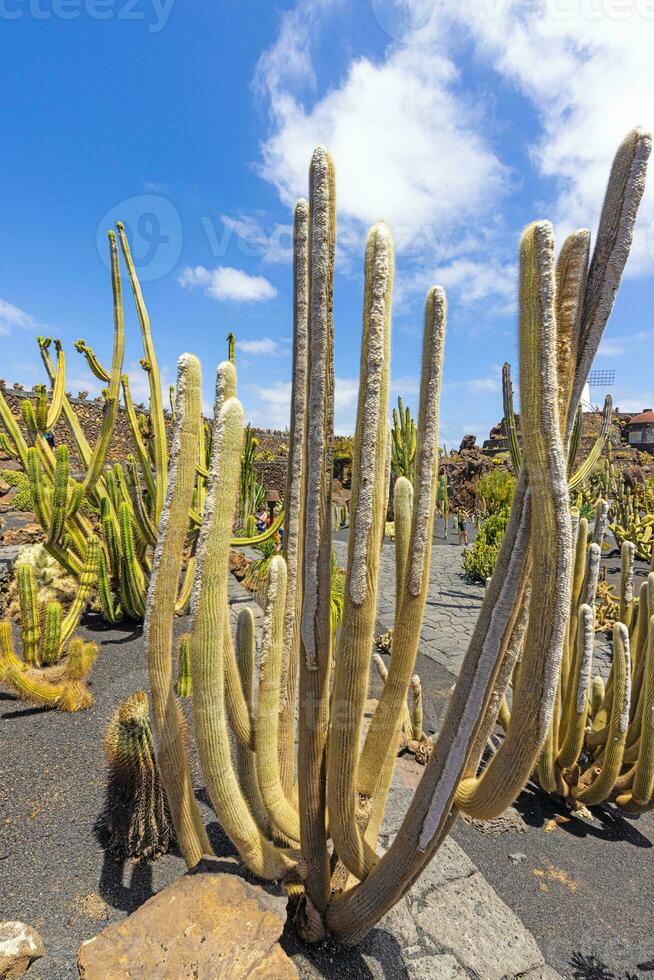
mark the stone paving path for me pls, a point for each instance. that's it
(452, 608)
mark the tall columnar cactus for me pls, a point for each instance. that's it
(281, 830)
(136, 815)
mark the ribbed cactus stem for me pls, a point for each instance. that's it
(283, 814)
(184, 685)
(171, 752)
(315, 651)
(416, 693)
(98, 457)
(510, 768)
(611, 759)
(294, 520)
(383, 733)
(29, 614)
(157, 419)
(368, 515)
(211, 621)
(577, 708)
(246, 758)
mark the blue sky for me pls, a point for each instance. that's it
(195, 123)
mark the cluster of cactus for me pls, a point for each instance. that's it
(282, 827)
(600, 742)
(122, 504)
(54, 665)
(412, 736)
(136, 816)
(403, 442)
(631, 519)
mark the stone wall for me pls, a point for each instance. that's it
(272, 473)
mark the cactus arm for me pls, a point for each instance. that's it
(87, 583)
(402, 511)
(51, 642)
(509, 419)
(294, 517)
(58, 389)
(30, 629)
(184, 685)
(550, 600)
(600, 789)
(211, 621)
(184, 596)
(571, 277)
(59, 496)
(96, 368)
(383, 733)
(110, 610)
(156, 404)
(586, 468)
(171, 753)
(283, 814)
(132, 578)
(576, 708)
(98, 456)
(141, 451)
(260, 538)
(642, 793)
(614, 235)
(147, 529)
(352, 660)
(315, 650)
(246, 759)
(416, 718)
(231, 346)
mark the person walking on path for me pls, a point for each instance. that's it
(462, 524)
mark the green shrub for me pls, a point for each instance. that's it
(479, 560)
(495, 491)
(23, 499)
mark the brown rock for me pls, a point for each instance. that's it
(4, 488)
(207, 925)
(20, 944)
(27, 534)
(238, 564)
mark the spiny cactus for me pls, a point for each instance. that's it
(136, 815)
(593, 750)
(128, 500)
(403, 446)
(52, 670)
(343, 782)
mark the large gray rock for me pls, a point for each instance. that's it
(207, 924)
(20, 944)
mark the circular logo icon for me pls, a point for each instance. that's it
(403, 19)
(154, 232)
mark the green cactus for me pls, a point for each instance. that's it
(184, 685)
(525, 611)
(403, 447)
(136, 816)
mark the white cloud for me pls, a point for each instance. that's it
(409, 148)
(262, 345)
(12, 316)
(587, 67)
(226, 283)
(253, 238)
